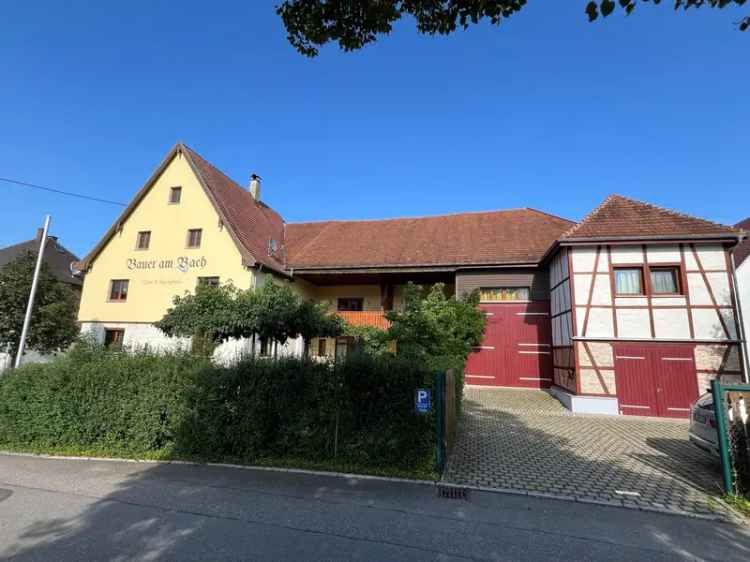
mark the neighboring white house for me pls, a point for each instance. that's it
(742, 262)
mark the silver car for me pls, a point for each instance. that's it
(703, 424)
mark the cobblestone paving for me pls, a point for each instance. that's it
(526, 440)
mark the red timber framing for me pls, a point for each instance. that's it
(563, 356)
(677, 366)
(648, 296)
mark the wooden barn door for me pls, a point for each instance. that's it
(676, 381)
(636, 391)
(655, 380)
(517, 347)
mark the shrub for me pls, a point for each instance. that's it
(357, 411)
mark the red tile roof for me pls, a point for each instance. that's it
(621, 217)
(252, 222)
(496, 237)
(742, 251)
(516, 236)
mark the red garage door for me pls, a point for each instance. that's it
(517, 347)
(655, 380)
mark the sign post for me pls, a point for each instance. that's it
(34, 283)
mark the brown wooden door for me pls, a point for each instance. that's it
(655, 379)
(517, 347)
(636, 391)
(676, 381)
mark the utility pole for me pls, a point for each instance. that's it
(34, 282)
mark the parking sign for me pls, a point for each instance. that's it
(423, 400)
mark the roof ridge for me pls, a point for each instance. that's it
(598, 208)
(459, 214)
(550, 215)
(674, 213)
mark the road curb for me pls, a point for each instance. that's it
(732, 515)
(348, 475)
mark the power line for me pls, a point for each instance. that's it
(62, 192)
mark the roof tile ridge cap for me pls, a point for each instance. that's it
(568, 233)
(420, 217)
(193, 153)
(262, 207)
(533, 210)
(742, 222)
(679, 213)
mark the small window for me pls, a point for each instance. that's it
(322, 347)
(175, 194)
(350, 304)
(208, 281)
(265, 349)
(118, 290)
(144, 240)
(113, 338)
(665, 281)
(499, 294)
(194, 238)
(629, 281)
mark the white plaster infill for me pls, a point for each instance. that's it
(601, 405)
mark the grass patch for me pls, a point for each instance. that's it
(739, 503)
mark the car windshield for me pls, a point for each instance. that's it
(705, 402)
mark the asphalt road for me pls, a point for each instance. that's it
(102, 510)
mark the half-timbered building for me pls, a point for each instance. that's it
(631, 311)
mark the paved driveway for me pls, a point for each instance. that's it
(525, 440)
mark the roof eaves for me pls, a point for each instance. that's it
(729, 236)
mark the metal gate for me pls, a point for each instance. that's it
(655, 380)
(517, 347)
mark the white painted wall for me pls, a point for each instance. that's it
(146, 336)
(592, 282)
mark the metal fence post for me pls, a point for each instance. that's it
(722, 430)
(440, 420)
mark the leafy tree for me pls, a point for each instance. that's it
(314, 321)
(372, 341)
(274, 312)
(210, 316)
(53, 322)
(353, 24)
(433, 324)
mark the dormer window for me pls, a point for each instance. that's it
(175, 194)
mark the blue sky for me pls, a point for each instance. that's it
(547, 111)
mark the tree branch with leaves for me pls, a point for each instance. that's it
(352, 24)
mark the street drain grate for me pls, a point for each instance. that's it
(452, 492)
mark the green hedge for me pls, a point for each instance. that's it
(359, 412)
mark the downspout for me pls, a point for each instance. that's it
(740, 321)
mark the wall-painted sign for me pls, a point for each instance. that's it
(423, 400)
(182, 263)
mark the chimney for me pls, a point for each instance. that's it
(255, 186)
(40, 231)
